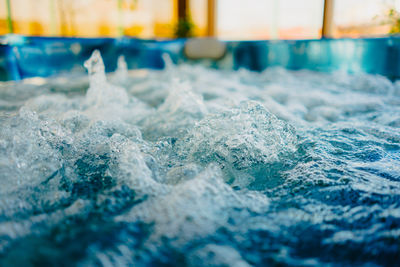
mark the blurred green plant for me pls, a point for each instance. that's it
(392, 17)
(184, 28)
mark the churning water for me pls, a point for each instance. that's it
(191, 166)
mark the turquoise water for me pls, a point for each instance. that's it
(191, 166)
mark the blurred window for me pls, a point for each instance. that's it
(269, 19)
(31, 19)
(358, 18)
(198, 14)
(236, 19)
(300, 19)
(91, 18)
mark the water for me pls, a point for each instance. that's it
(191, 166)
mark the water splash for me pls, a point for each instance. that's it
(96, 69)
(217, 167)
(168, 63)
(122, 70)
(250, 144)
(180, 111)
(101, 93)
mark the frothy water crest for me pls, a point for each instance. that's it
(96, 69)
(192, 166)
(122, 69)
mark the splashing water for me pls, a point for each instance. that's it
(192, 166)
(122, 70)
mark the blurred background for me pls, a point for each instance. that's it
(225, 19)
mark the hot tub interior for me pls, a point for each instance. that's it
(193, 165)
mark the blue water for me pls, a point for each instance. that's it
(197, 167)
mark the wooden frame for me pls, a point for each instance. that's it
(211, 17)
(327, 25)
(182, 9)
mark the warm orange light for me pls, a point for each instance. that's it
(236, 19)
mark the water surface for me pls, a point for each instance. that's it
(191, 166)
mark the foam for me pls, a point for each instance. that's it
(190, 165)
